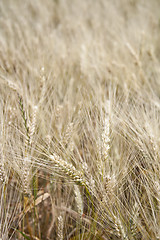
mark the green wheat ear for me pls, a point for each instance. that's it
(24, 116)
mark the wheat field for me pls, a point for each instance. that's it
(79, 120)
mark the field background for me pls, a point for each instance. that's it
(80, 119)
